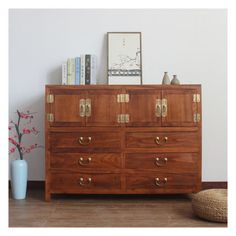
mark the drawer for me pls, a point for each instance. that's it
(163, 162)
(85, 161)
(163, 183)
(74, 182)
(85, 141)
(160, 140)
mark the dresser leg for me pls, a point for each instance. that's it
(47, 192)
(47, 197)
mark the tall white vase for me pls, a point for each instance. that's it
(19, 177)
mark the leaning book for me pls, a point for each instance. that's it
(64, 73)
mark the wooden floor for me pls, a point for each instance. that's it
(104, 211)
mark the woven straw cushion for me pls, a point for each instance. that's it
(211, 204)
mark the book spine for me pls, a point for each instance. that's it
(64, 73)
(82, 69)
(87, 68)
(77, 70)
(69, 81)
(93, 69)
(72, 70)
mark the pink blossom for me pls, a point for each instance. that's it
(24, 116)
(12, 150)
(34, 130)
(22, 148)
(28, 150)
(33, 146)
(13, 141)
(26, 131)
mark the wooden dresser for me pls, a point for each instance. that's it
(104, 139)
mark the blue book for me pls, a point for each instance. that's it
(77, 70)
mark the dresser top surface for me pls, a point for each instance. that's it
(103, 86)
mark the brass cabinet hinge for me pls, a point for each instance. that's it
(50, 117)
(196, 97)
(126, 118)
(118, 98)
(118, 118)
(50, 98)
(123, 118)
(122, 97)
(196, 117)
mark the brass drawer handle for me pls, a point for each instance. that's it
(83, 162)
(160, 183)
(157, 140)
(84, 142)
(161, 162)
(82, 182)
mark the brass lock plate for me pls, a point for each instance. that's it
(88, 107)
(82, 103)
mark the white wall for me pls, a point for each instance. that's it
(189, 43)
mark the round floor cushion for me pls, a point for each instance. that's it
(211, 204)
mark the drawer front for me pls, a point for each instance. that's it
(74, 182)
(85, 161)
(156, 182)
(162, 140)
(85, 141)
(163, 162)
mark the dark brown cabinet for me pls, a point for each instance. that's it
(123, 139)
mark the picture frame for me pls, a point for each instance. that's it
(124, 60)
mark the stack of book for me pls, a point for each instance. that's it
(79, 70)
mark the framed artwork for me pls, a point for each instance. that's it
(124, 58)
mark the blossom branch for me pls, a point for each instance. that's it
(16, 140)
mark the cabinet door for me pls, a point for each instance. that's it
(144, 107)
(68, 107)
(179, 107)
(104, 107)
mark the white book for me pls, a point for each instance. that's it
(64, 73)
(93, 69)
(82, 69)
(69, 82)
(73, 71)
